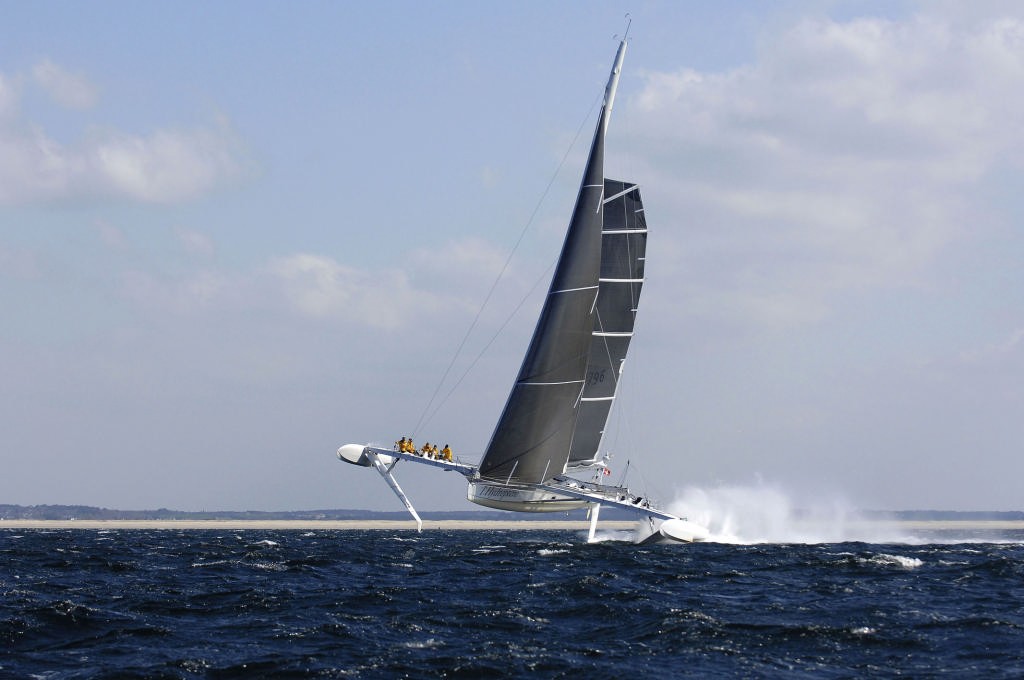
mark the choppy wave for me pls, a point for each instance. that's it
(901, 561)
(500, 604)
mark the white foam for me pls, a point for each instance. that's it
(766, 514)
(212, 563)
(429, 643)
(546, 551)
(886, 560)
(602, 535)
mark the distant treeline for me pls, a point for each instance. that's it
(88, 512)
(945, 515)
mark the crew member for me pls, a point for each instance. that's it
(446, 452)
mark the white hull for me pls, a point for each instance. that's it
(559, 495)
(520, 498)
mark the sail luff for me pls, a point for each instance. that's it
(533, 437)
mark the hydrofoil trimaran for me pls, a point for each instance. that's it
(556, 413)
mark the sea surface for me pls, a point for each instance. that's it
(478, 604)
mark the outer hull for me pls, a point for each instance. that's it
(683, 530)
(520, 498)
(356, 454)
(675, 530)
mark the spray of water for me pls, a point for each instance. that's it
(766, 514)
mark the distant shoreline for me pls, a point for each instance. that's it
(449, 524)
(310, 525)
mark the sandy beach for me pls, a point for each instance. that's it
(456, 525)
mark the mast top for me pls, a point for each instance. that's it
(613, 81)
(625, 36)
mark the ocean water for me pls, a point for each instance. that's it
(477, 604)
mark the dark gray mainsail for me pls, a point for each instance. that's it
(623, 252)
(533, 437)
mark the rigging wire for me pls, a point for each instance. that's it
(643, 483)
(494, 337)
(421, 422)
(622, 477)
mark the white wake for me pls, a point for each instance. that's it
(766, 514)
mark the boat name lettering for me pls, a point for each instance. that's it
(497, 491)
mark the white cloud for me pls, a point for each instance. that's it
(163, 166)
(319, 286)
(436, 285)
(67, 89)
(848, 156)
(167, 166)
(472, 257)
(439, 284)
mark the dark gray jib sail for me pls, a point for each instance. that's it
(623, 251)
(533, 437)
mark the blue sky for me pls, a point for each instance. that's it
(235, 236)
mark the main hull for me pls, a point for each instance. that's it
(519, 498)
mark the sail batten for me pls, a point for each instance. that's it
(621, 193)
(564, 382)
(571, 290)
